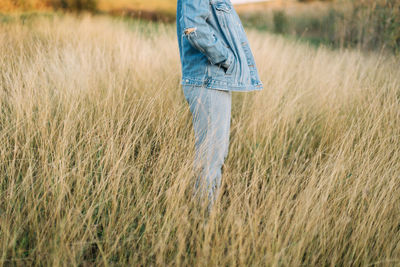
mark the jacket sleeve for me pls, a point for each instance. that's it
(200, 35)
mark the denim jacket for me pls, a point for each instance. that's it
(213, 47)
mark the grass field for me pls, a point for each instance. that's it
(96, 146)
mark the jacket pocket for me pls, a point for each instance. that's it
(223, 14)
(229, 70)
(223, 17)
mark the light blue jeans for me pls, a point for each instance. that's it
(211, 111)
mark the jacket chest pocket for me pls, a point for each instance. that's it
(224, 17)
(223, 14)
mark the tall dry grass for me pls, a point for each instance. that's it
(96, 147)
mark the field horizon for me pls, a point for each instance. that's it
(96, 147)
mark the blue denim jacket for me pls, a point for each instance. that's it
(213, 47)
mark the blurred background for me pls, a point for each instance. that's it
(365, 24)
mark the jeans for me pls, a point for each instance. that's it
(211, 111)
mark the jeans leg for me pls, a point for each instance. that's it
(211, 111)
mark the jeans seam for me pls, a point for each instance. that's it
(209, 138)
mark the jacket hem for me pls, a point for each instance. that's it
(220, 85)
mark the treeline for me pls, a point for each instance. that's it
(74, 5)
(157, 15)
(368, 24)
(34, 5)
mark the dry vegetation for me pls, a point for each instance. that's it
(166, 6)
(96, 147)
(367, 24)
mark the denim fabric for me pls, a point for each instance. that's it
(214, 48)
(211, 111)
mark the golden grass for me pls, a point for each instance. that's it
(96, 146)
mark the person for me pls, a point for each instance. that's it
(216, 60)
